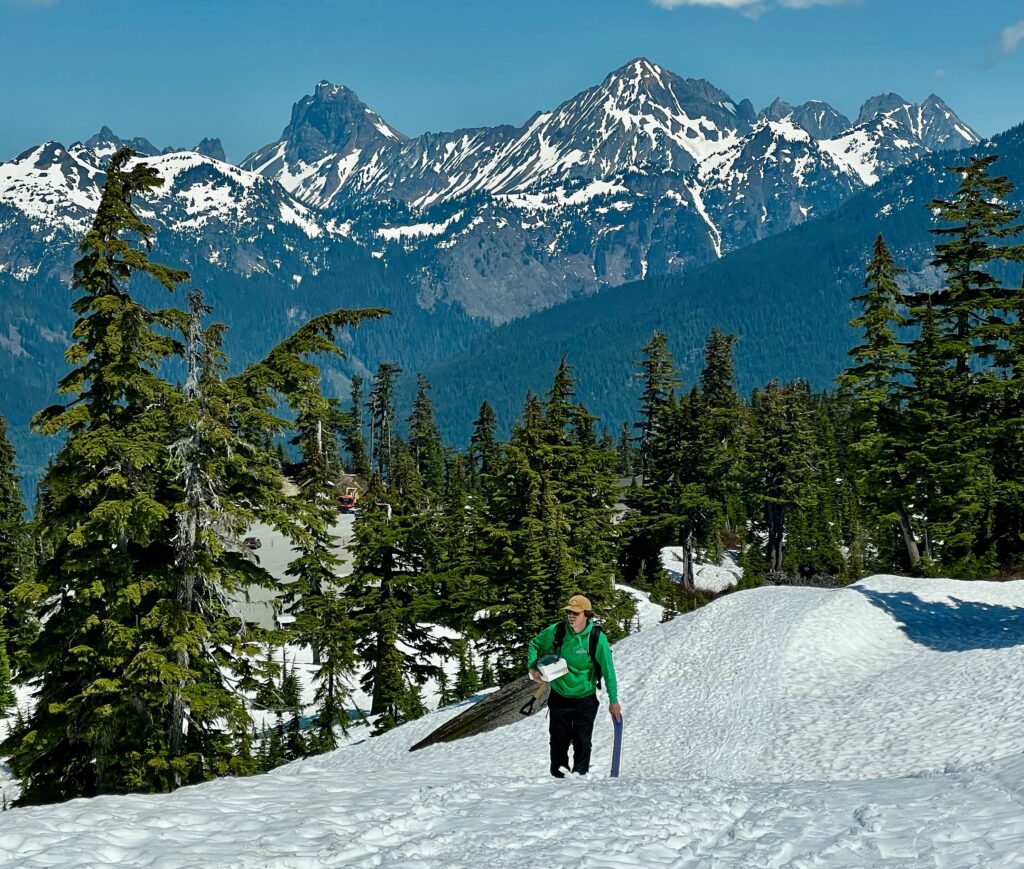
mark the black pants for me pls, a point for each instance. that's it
(571, 722)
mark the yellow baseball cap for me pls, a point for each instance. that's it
(578, 603)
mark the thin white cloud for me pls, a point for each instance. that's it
(807, 4)
(1010, 37)
(728, 4)
(749, 7)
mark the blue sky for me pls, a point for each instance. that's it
(175, 72)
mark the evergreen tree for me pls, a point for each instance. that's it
(483, 445)
(873, 381)
(387, 595)
(660, 381)
(15, 558)
(7, 698)
(977, 317)
(720, 442)
(939, 461)
(467, 680)
(336, 665)
(352, 431)
(381, 403)
(446, 694)
(487, 679)
(459, 584)
(690, 497)
(783, 458)
(626, 452)
(140, 516)
(675, 506)
(95, 731)
(424, 439)
(813, 530)
(318, 470)
(274, 755)
(291, 697)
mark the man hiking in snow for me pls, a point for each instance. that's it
(572, 705)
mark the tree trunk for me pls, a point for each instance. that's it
(775, 514)
(909, 539)
(687, 574)
(176, 728)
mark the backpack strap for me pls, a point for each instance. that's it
(595, 636)
(559, 637)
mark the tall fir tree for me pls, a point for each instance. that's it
(386, 595)
(93, 729)
(876, 425)
(977, 316)
(483, 444)
(381, 403)
(138, 658)
(424, 439)
(626, 452)
(782, 466)
(352, 430)
(16, 563)
(660, 380)
(721, 442)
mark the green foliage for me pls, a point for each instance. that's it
(545, 527)
(424, 440)
(139, 519)
(483, 447)
(389, 594)
(352, 430)
(16, 566)
(381, 404)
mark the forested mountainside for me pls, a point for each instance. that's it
(787, 299)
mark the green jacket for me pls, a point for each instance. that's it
(581, 680)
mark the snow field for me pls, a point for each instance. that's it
(878, 725)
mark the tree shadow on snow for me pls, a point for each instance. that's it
(953, 626)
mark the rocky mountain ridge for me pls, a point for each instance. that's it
(645, 173)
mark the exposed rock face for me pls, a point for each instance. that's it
(211, 148)
(817, 118)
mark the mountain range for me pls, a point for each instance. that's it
(639, 179)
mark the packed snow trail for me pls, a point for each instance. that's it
(878, 725)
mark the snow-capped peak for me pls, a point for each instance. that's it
(815, 116)
(331, 124)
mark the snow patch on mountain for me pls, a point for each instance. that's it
(419, 230)
(51, 184)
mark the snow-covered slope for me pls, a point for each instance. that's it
(56, 186)
(877, 725)
(641, 118)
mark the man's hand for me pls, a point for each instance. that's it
(535, 675)
(615, 711)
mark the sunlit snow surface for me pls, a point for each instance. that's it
(878, 725)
